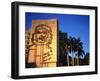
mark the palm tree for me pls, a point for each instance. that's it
(71, 48)
(78, 47)
(67, 50)
(86, 59)
(72, 45)
(75, 45)
(80, 53)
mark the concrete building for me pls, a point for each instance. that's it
(41, 44)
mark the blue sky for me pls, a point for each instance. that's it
(74, 25)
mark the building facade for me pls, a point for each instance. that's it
(41, 44)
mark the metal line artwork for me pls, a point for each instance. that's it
(43, 37)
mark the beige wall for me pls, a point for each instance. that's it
(38, 50)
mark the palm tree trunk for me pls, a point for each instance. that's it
(67, 59)
(72, 58)
(67, 56)
(77, 58)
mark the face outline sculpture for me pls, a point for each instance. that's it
(43, 34)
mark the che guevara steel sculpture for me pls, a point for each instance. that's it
(42, 37)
